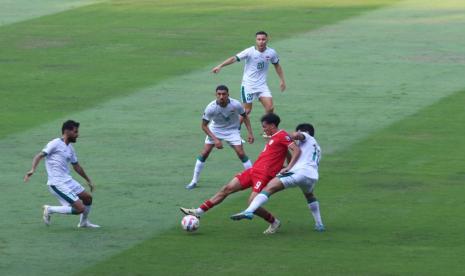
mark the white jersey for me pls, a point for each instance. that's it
(309, 158)
(256, 65)
(224, 119)
(58, 155)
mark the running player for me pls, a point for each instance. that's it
(304, 174)
(269, 163)
(72, 196)
(220, 121)
(254, 85)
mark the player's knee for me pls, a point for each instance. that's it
(227, 190)
(87, 200)
(79, 209)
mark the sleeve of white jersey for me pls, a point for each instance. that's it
(243, 55)
(207, 114)
(240, 108)
(275, 58)
(50, 147)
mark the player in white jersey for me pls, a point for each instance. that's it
(221, 122)
(58, 153)
(254, 85)
(303, 174)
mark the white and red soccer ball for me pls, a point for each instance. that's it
(190, 223)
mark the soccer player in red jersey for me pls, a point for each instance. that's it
(269, 163)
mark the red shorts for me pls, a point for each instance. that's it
(249, 179)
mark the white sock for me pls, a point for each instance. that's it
(315, 208)
(60, 210)
(85, 214)
(258, 201)
(197, 170)
(199, 211)
(247, 164)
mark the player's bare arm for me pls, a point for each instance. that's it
(83, 174)
(297, 136)
(295, 153)
(279, 71)
(218, 143)
(246, 120)
(35, 163)
(227, 62)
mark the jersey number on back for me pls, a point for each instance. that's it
(316, 155)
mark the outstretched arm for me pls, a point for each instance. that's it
(297, 136)
(218, 143)
(279, 71)
(295, 153)
(35, 163)
(250, 137)
(83, 174)
(227, 62)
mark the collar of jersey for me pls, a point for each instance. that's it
(229, 101)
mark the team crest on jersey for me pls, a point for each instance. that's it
(288, 138)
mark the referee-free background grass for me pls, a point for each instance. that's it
(369, 75)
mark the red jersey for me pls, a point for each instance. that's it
(271, 159)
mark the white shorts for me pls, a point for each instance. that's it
(249, 94)
(67, 192)
(291, 180)
(233, 137)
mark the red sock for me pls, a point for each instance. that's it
(206, 205)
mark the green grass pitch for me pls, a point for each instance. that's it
(381, 80)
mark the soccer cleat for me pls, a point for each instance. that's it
(319, 228)
(242, 215)
(191, 185)
(188, 211)
(273, 228)
(46, 215)
(87, 224)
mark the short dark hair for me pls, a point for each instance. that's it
(222, 87)
(69, 125)
(261, 33)
(271, 118)
(305, 127)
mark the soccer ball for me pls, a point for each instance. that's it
(190, 223)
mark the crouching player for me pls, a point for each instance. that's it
(303, 174)
(72, 196)
(269, 163)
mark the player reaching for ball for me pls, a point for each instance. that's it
(254, 85)
(304, 174)
(220, 121)
(269, 163)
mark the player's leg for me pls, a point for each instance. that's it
(267, 103)
(233, 186)
(84, 218)
(239, 149)
(70, 203)
(247, 98)
(200, 162)
(313, 204)
(256, 200)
